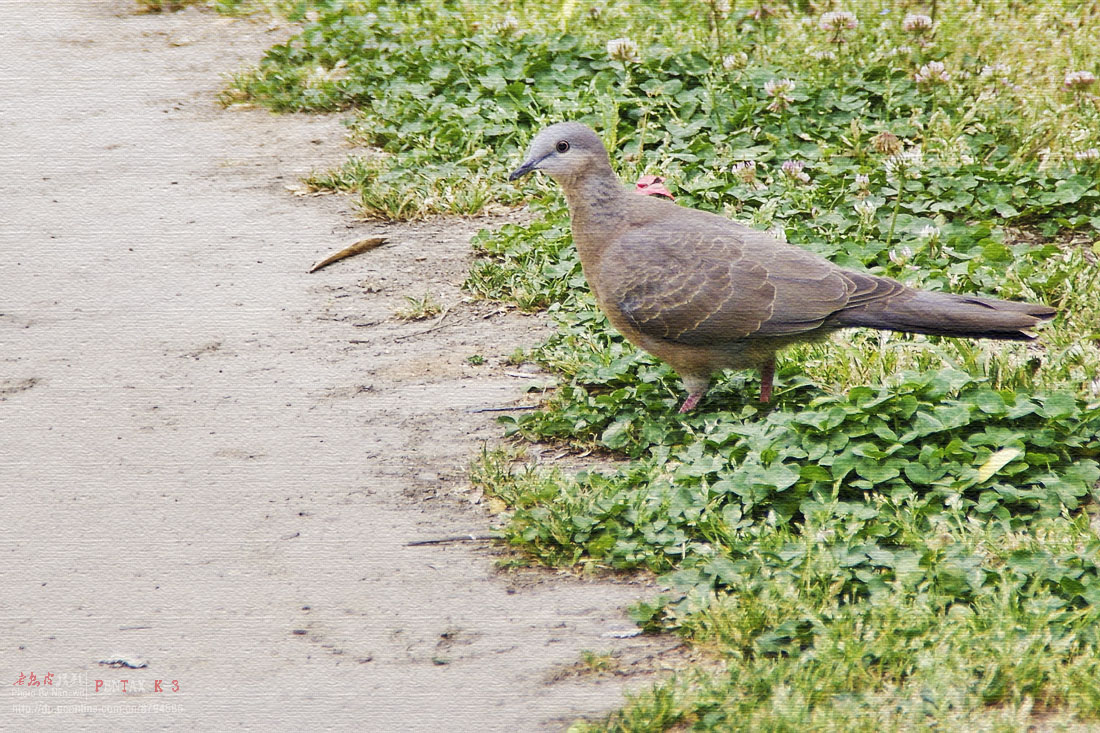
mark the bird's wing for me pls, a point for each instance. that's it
(700, 285)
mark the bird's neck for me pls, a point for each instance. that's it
(596, 206)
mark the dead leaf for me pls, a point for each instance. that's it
(363, 245)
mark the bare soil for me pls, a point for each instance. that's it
(211, 462)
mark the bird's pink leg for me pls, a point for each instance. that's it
(696, 385)
(767, 374)
(691, 401)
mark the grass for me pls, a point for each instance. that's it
(166, 6)
(905, 538)
(420, 308)
(597, 662)
(228, 7)
(294, 10)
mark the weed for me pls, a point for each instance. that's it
(598, 662)
(162, 6)
(420, 308)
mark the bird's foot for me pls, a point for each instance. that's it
(691, 402)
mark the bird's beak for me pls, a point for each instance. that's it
(523, 170)
(526, 168)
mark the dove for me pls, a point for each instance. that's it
(704, 293)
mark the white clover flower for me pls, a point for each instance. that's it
(916, 23)
(934, 72)
(777, 87)
(745, 170)
(905, 163)
(996, 71)
(1078, 80)
(793, 169)
(823, 56)
(623, 49)
(735, 61)
(838, 20)
(780, 89)
(863, 181)
(1090, 154)
(886, 142)
(508, 25)
(865, 209)
(900, 257)
(929, 232)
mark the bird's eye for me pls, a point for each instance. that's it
(562, 146)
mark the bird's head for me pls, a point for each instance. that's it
(565, 151)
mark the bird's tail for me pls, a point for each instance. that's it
(946, 314)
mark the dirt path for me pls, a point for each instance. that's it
(210, 462)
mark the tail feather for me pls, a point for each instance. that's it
(946, 314)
